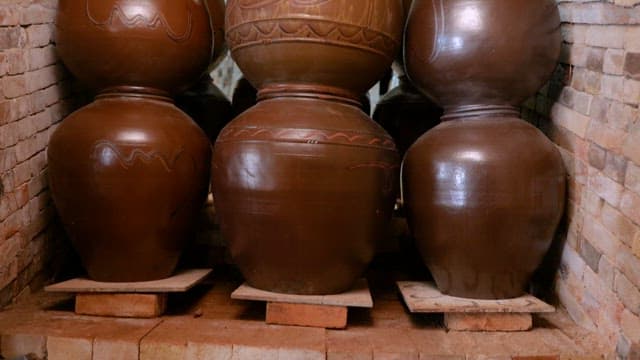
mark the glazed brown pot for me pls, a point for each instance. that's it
(304, 181)
(207, 106)
(484, 190)
(129, 174)
(137, 43)
(303, 203)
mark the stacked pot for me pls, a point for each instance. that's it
(305, 181)
(129, 172)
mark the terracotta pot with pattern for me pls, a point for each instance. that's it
(305, 180)
(129, 172)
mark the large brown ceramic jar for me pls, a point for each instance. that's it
(304, 181)
(129, 175)
(129, 172)
(484, 190)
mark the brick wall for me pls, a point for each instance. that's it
(593, 106)
(31, 91)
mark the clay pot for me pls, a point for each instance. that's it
(129, 173)
(481, 52)
(303, 203)
(137, 43)
(207, 106)
(484, 190)
(406, 114)
(342, 45)
(127, 184)
(304, 181)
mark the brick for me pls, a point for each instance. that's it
(632, 65)
(629, 206)
(14, 86)
(631, 91)
(106, 349)
(203, 351)
(9, 15)
(162, 350)
(15, 345)
(615, 167)
(631, 326)
(37, 14)
(595, 59)
(590, 255)
(570, 119)
(618, 224)
(121, 305)
(606, 272)
(632, 180)
(606, 36)
(632, 39)
(12, 37)
(488, 322)
(612, 87)
(597, 156)
(606, 136)
(333, 317)
(601, 239)
(605, 187)
(614, 62)
(39, 35)
(635, 247)
(627, 293)
(62, 348)
(620, 115)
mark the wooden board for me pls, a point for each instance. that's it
(121, 305)
(320, 316)
(424, 297)
(181, 282)
(360, 296)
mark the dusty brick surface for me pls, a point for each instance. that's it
(33, 98)
(599, 278)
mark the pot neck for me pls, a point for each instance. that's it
(321, 92)
(135, 92)
(469, 112)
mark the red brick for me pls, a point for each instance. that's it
(488, 322)
(632, 65)
(63, 348)
(12, 37)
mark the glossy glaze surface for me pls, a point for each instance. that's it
(478, 52)
(343, 44)
(484, 198)
(129, 193)
(484, 190)
(137, 43)
(303, 201)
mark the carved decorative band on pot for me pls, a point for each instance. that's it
(485, 190)
(129, 172)
(305, 181)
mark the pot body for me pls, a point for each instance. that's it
(484, 190)
(484, 198)
(129, 176)
(478, 52)
(303, 200)
(136, 43)
(341, 44)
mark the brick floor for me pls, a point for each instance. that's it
(207, 324)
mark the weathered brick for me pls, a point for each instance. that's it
(12, 37)
(628, 293)
(61, 348)
(629, 205)
(615, 167)
(16, 345)
(618, 224)
(597, 156)
(631, 147)
(614, 62)
(632, 65)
